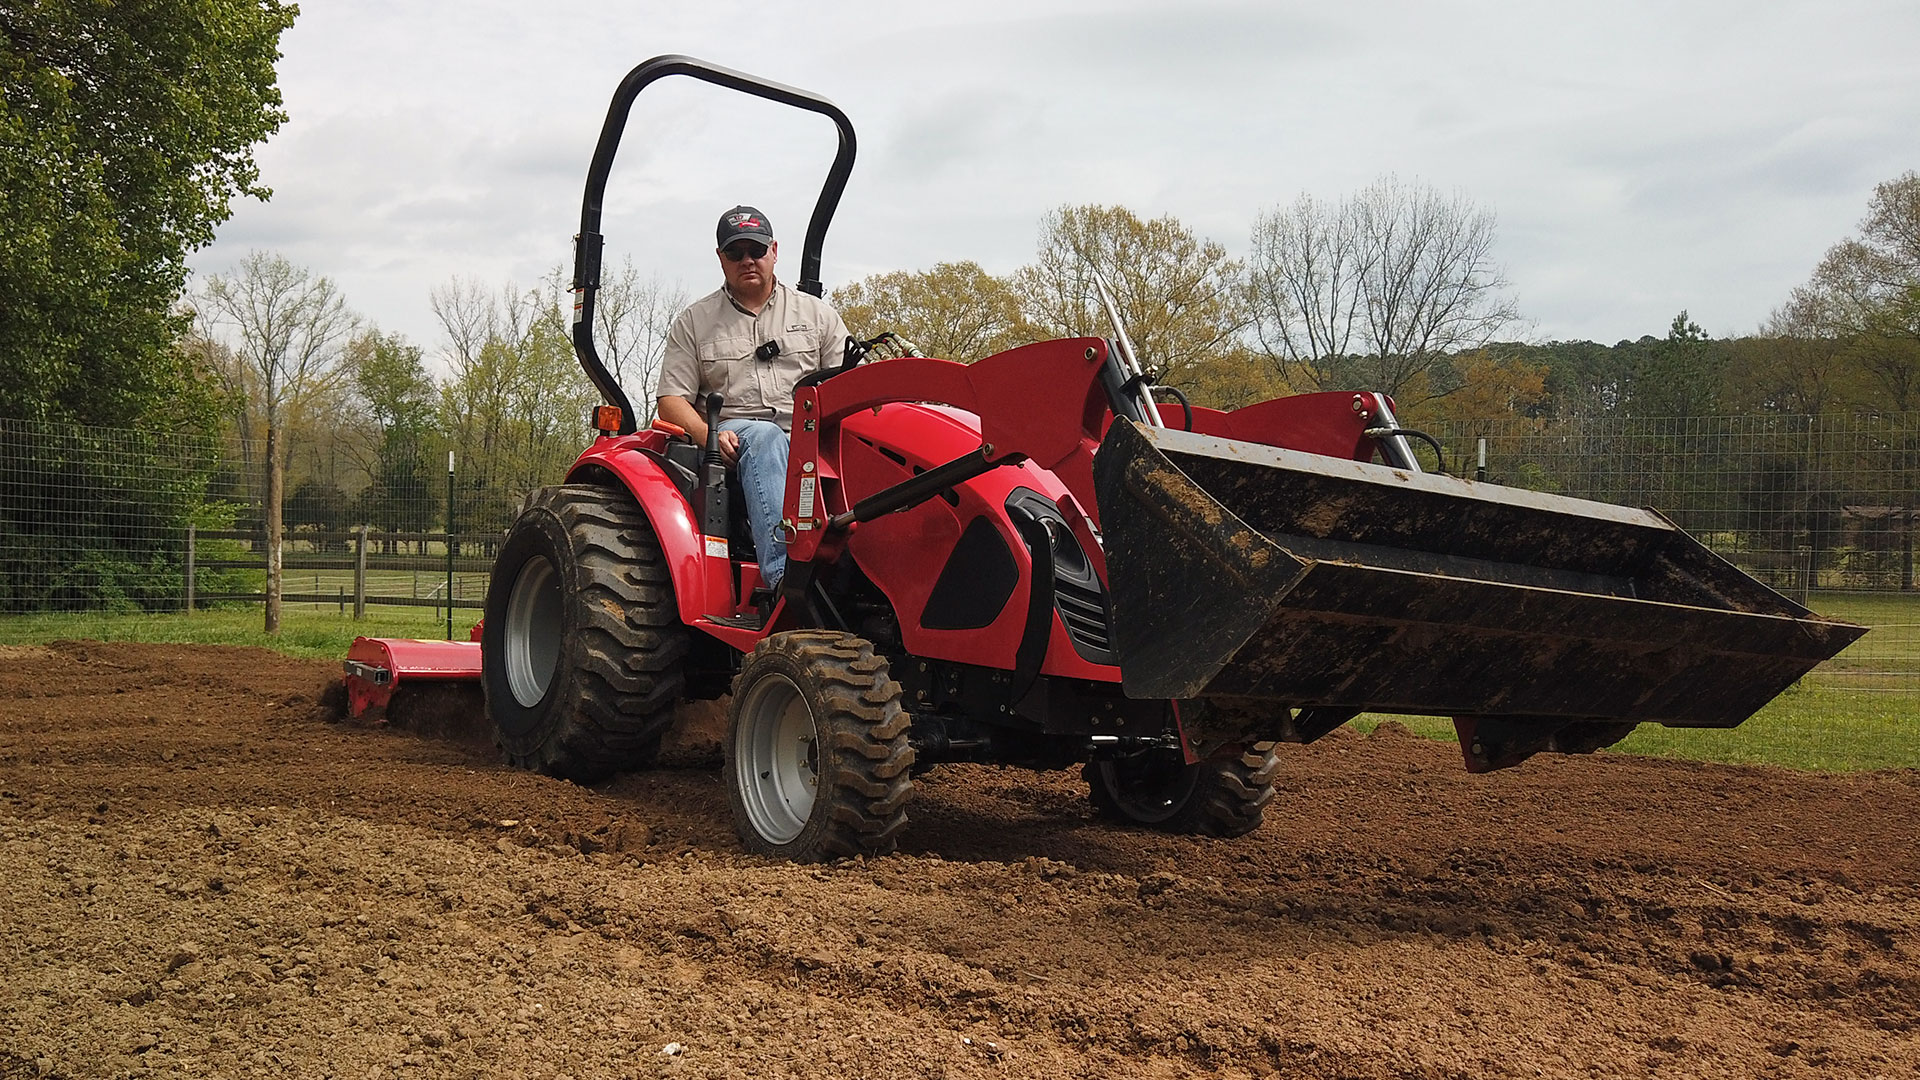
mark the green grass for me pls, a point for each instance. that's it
(1888, 658)
(306, 630)
(1808, 727)
(467, 584)
(1859, 711)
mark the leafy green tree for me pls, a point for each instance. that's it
(956, 311)
(1180, 296)
(399, 399)
(126, 129)
(1790, 368)
(391, 377)
(1679, 375)
(1866, 294)
(318, 504)
(1584, 379)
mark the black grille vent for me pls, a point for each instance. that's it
(1083, 612)
(1077, 596)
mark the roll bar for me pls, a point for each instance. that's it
(588, 243)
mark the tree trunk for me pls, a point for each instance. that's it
(276, 482)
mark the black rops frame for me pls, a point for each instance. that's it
(588, 243)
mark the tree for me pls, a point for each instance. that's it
(285, 329)
(125, 132)
(955, 310)
(1866, 294)
(1791, 368)
(1496, 383)
(1181, 298)
(399, 398)
(1679, 375)
(1377, 290)
(388, 372)
(517, 403)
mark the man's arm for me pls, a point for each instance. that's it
(679, 382)
(677, 410)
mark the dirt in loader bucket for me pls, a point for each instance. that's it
(1243, 571)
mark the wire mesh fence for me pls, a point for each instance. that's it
(132, 521)
(1821, 508)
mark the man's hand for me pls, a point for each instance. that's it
(679, 410)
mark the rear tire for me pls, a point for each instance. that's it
(1223, 798)
(583, 646)
(817, 755)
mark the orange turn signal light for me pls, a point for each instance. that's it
(606, 419)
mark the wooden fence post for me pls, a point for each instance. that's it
(360, 576)
(189, 569)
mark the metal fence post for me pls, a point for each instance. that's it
(360, 575)
(189, 568)
(449, 545)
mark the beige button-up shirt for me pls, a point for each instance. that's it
(711, 346)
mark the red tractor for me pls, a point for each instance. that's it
(1032, 561)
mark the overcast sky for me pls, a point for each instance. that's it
(1640, 158)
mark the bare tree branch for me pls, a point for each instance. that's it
(1377, 290)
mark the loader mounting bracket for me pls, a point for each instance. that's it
(1498, 742)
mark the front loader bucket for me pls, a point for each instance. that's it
(1247, 571)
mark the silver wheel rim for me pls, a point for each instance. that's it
(776, 758)
(533, 631)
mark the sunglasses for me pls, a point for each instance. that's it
(737, 252)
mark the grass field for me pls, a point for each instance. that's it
(1859, 711)
(1808, 727)
(467, 584)
(306, 630)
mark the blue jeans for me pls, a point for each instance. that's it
(762, 474)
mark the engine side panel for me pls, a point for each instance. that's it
(905, 554)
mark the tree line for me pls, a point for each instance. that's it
(125, 134)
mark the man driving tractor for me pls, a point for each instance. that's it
(750, 340)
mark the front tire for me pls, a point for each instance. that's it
(583, 647)
(1223, 798)
(817, 752)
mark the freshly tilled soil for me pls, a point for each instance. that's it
(208, 873)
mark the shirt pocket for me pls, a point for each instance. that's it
(724, 366)
(799, 351)
(715, 354)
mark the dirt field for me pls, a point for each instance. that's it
(206, 875)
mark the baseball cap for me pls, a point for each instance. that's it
(744, 223)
